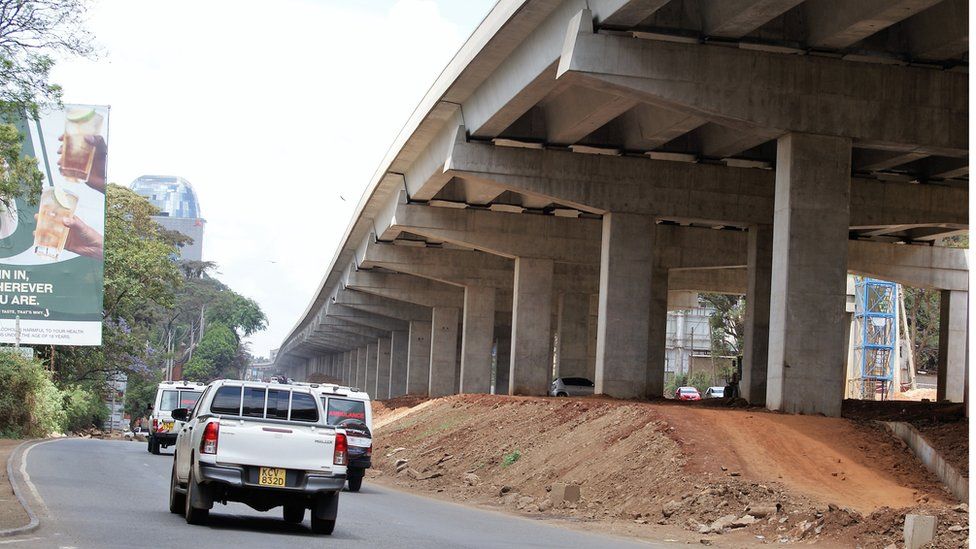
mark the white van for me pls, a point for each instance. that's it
(350, 409)
(170, 395)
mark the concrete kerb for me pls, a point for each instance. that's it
(34, 522)
(957, 484)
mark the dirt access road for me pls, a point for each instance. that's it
(646, 467)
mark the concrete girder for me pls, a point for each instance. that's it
(467, 267)
(355, 316)
(577, 112)
(873, 160)
(717, 141)
(774, 94)
(731, 280)
(935, 167)
(511, 235)
(629, 13)
(383, 306)
(931, 267)
(837, 24)
(685, 191)
(737, 18)
(647, 127)
(327, 324)
(412, 289)
(940, 32)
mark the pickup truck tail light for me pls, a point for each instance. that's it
(208, 444)
(155, 424)
(341, 450)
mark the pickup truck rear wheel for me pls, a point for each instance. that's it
(355, 482)
(293, 514)
(177, 501)
(191, 513)
(322, 526)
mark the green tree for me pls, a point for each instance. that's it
(727, 323)
(214, 356)
(240, 313)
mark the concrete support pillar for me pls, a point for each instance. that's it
(418, 358)
(627, 288)
(756, 337)
(369, 371)
(383, 346)
(531, 323)
(399, 347)
(361, 367)
(503, 362)
(809, 278)
(572, 329)
(443, 351)
(953, 346)
(348, 366)
(477, 338)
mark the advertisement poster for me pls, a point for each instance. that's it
(51, 252)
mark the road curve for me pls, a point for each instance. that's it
(102, 494)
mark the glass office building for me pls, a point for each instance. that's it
(179, 209)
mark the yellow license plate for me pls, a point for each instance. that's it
(167, 425)
(270, 476)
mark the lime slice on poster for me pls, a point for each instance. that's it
(79, 114)
(64, 198)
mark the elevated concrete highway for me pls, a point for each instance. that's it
(580, 167)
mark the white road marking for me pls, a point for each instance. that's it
(26, 477)
(20, 540)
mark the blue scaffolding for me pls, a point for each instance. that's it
(876, 318)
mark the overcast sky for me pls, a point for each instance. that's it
(273, 110)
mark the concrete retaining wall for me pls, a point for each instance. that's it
(950, 477)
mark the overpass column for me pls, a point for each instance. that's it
(756, 337)
(477, 338)
(632, 321)
(953, 345)
(531, 324)
(348, 366)
(572, 329)
(503, 362)
(418, 358)
(443, 351)
(399, 345)
(383, 347)
(361, 368)
(369, 371)
(809, 277)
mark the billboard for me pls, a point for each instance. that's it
(51, 265)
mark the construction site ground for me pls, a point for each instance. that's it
(688, 472)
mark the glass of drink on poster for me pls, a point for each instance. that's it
(50, 233)
(77, 153)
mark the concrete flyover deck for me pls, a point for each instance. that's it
(581, 167)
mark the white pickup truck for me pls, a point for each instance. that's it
(262, 444)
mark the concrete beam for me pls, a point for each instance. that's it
(687, 192)
(363, 318)
(717, 141)
(647, 127)
(837, 24)
(577, 112)
(450, 266)
(737, 18)
(872, 160)
(412, 289)
(383, 306)
(510, 235)
(931, 267)
(940, 32)
(746, 90)
(629, 13)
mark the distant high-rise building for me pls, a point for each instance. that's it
(179, 209)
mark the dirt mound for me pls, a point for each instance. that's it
(702, 470)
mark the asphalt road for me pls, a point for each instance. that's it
(101, 494)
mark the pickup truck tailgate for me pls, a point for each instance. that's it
(289, 446)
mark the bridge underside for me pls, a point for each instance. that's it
(583, 167)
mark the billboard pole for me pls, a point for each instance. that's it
(17, 332)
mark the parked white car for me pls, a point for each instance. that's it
(570, 386)
(170, 395)
(351, 410)
(262, 444)
(715, 392)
